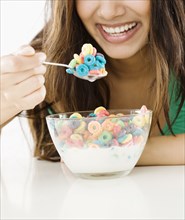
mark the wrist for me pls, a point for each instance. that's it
(8, 112)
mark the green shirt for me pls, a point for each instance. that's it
(179, 124)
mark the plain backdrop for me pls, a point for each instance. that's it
(21, 20)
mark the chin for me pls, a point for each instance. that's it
(122, 52)
(120, 56)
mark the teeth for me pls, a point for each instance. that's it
(126, 27)
(122, 29)
(111, 30)
(118, 30)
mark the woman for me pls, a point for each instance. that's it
(144, 44)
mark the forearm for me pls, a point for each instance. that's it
(7, 113)
(6, 122)
(164, 150)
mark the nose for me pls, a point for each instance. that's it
(111, 9)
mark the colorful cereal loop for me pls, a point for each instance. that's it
(105, 137)
(116, 130)
(114, 142)
(87, 49)
(70, 71)
(147, 118)
(120, 123)
(72, 63)
(76, 115)
(82, 70)
(94, 72)
(73, 124)
(76, 137)
(139, 121)
(103, 71)
(78, 59)
(81, 128)
(82, 57)
(101, 61)
(65, 132)
(119, 114)
(89, 60)
(102, 113)
(98, 109)
(94, 127)
(112, 116)
(98, 65)
(143, 109)
(94, 51)
(125, 139)
(99, 54)
(86, 135)
(108, 125)
(92, 145)
(92, 115)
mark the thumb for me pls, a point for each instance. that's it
(25, 50)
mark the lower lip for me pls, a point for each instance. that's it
(120, 38)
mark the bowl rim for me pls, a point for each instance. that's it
(137, 112)
(24, 114)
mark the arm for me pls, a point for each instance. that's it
(164, 150)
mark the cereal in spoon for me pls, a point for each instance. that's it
(88, 65)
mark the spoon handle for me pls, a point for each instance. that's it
(56, 64)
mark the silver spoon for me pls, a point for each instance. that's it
(90, 78)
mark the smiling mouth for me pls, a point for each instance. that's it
(118, 30)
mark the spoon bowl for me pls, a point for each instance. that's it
(89, 77)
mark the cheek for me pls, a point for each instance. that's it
(142, 8)
(80, 8)
(84, 9)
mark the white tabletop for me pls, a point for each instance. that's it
(33, 189)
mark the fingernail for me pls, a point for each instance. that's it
(41, 79)
(40, 69)
(42, 57)
(26, 51)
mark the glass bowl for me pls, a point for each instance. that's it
(100, 146)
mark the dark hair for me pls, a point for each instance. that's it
(167, 38)
(64, 34)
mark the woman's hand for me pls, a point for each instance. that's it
(22, 82)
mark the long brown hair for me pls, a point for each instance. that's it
(64, 34)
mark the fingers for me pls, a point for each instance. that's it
(19, 63)
(30, 85)
(10, 79)
(25, 50)
(26, 90)
(30, 101)
(26, 103)
(33, 99)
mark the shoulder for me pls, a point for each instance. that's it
(176, 108)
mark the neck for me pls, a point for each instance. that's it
(136, 66)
